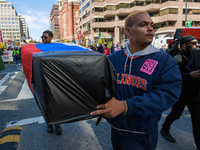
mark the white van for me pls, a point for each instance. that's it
(161, 40)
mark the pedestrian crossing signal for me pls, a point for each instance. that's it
(189, 23)
(88, 25)
(100, 34)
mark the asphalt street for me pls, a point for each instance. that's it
(18, 108)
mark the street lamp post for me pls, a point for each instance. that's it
(185, 13)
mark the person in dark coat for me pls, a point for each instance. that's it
(112, 48)
(100, 49)
(190, 92)
(2, 66)
(173, 49)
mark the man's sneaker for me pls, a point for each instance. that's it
(167, 136)
(49, 128)
(16, 64)
(19, 64)
(58, 130)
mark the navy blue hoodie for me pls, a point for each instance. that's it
(150, 82)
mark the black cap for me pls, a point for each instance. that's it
(186, 39)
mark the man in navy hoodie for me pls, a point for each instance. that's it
(149, 82)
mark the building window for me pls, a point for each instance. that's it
(125, 5)
(77, 21)
(164, 24)
(156, 1)
(139, 3)
(110, 7)
(98, 9)
(168, 11)
(76, 13)
(86, 6)
(192, 11)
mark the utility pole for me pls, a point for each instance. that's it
(185, 13)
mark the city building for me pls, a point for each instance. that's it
(69, 20)
(54, 23)
(25, 27)
(108, 17)
(10, 22)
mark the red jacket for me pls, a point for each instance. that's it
(106, 51)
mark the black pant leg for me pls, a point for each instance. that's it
(194, 108)
(175, 113)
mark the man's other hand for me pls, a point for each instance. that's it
(110, 109)
(195, 74)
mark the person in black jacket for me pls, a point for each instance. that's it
(173, 49)
(100, 48)
(189, 94)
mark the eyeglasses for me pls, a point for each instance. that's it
(194, 43)
(44, 37)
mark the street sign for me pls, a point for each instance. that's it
(18, 43)
(1, 45)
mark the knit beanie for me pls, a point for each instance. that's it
(186, 39)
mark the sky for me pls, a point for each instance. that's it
(36, 14)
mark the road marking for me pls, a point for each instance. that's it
(12, 128)
(35, 120)
(24, 94)
(4, 79)
(9, 138)
(22, 122)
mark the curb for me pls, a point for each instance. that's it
(9, 138)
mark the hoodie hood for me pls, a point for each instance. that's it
(148, 50)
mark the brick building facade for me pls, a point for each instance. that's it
(69, 21)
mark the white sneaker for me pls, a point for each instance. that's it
(19, 64)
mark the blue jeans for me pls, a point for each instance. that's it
(17, 59)
(131, 141)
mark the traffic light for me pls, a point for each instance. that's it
(189, 23)
(88, 25)
(100, 34)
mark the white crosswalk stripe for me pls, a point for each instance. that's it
(6, 80)
(24, 93)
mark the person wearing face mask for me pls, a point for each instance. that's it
(148, 83)
(190, 92)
